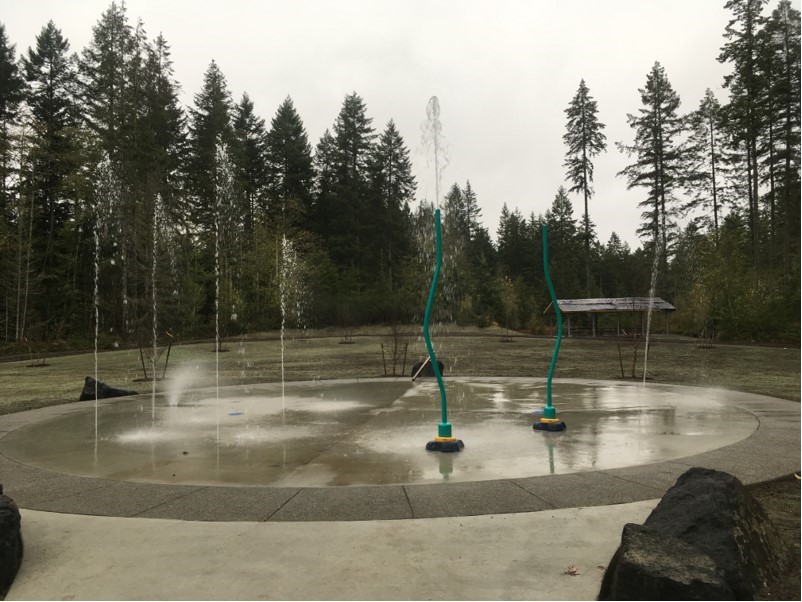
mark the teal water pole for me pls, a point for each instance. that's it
(444, 428)
(549, 411)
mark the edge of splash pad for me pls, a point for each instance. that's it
(771, 452)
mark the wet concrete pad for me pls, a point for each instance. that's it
(224, 504)
(117, 499)
(469, 499)
(346, 503)
(587, 489)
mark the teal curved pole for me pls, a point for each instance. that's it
(444, 428)
(549, 411)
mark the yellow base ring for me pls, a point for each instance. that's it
(550, 420)
(441, 439)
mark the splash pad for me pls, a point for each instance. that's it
(368, 432)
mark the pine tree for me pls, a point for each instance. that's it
(323, 191)
(781, 58)
(211, 184)
(209, 128)
(164, 128)
(585, 140)
(658, 159)
(290, 172)
(250, 160)
(50, 74)
(349, 236)
(105, 69)
(703, 158)
(392, 187)
(745, 84)
(12, 88)
(11, 94)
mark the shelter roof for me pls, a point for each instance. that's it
(612, 304)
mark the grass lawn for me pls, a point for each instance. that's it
(324, 354)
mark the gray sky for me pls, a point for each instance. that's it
(504, 72)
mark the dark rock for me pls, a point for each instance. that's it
(428, 370)
(712, 513)
(10, 542)
(651, 565)
(104, 391)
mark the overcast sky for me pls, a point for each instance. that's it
(503, 70)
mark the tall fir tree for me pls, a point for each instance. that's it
(50, 74)
(290, 171)
(250, 160)
(348, 234)
(12, 88)
(657, 166)
(703, 163)
(392, 187)
(745, 84)
(584, 140)
(209, 127)
(782, 59)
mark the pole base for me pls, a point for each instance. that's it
(549, 424)
(445, 444)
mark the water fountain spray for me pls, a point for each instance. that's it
(549, 421)
(444, 441)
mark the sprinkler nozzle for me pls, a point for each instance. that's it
(445, 444)
(549, 424)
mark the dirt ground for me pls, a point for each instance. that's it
(781, 501)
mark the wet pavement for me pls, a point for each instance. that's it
(348, 450)
(325, 434)
(518, 514)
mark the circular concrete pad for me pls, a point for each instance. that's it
(181, 454)
(374, 433)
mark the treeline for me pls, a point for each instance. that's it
(207, 217)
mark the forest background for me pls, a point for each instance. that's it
(118, 205)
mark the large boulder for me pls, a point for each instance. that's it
(10, 542)
(707, 539)
(104, 391)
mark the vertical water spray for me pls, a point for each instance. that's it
(156, 208)
(97, 310)
(283, 303)
(433, 138)
(218, 192)
(652, 289)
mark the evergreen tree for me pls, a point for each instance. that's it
(585, 140)
(209, 128)
(111, 93)
(290, 172)
(657, 167)
(105, 69)
(745, 85)
(703, 157)
(161, 138)
(164, 129)
(323, 192)
(392, 187)
(212, 185)
(514, 243)
(50, 75)
(12, 88)
(348, 234)
(473, 212)
(782, 60)
(250, 160)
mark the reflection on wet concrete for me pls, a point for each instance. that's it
(374, 432)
